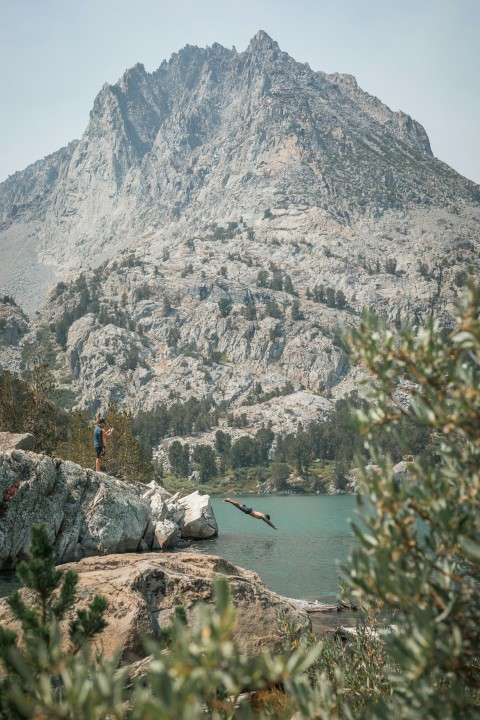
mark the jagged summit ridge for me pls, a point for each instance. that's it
(263, 42)
(215, 134)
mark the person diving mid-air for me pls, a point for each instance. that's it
(251, 512)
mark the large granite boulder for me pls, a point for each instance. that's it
(143, 591)
(192, 514)
(165, 535)
(153, 488)
(402, 472)
(198, 519)
(87, 513)
(114, 522)
(16, 441)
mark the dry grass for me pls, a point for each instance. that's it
(272, 702)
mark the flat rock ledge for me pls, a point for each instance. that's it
(88, 513)
(143, 591)
(318, 607)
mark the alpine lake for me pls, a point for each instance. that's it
(301, 559)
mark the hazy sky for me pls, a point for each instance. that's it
(420, 56)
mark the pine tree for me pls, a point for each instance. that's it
(79, 444)
(204, 455)
(179, 456)
(225, 306)
(223, 445)
(288, 285)
(262, 279)
(126, 455)
(340, 299)
(264, 439)
(34, 665)
(28, 406)
(295, 311)
(244, 452)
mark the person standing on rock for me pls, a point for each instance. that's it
(100, 442)
(253, 513)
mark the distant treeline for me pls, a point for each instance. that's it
(29, 405)
(336, 440)
(176, 419)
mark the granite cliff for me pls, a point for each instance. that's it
(88, 513)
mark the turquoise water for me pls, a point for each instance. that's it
(301, 558)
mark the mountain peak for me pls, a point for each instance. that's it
(234, 210)
(212, 136)
(262, 41)
(137, 69)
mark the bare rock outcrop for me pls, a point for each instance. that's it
(143, 591)
(403, 472)
(199, 520)
(13, 322)
(87, 513)
(16, 441)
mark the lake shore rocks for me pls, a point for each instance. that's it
(402, 472)
(319, 607)
(144, 590)
(198, 520)
(88, 513)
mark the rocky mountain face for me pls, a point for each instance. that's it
(13, 323)
(228, 212)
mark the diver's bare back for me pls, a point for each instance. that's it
(250, 511)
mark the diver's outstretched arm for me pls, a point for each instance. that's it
(269, 523)
(261, 516)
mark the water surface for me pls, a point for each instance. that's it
(8, 582)
(301, 558)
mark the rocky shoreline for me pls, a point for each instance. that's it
(144, 589)
(118, 535)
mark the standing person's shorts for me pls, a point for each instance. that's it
(100, 452)
(246, 509)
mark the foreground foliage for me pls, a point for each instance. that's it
(41, 676)
(420, 553)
